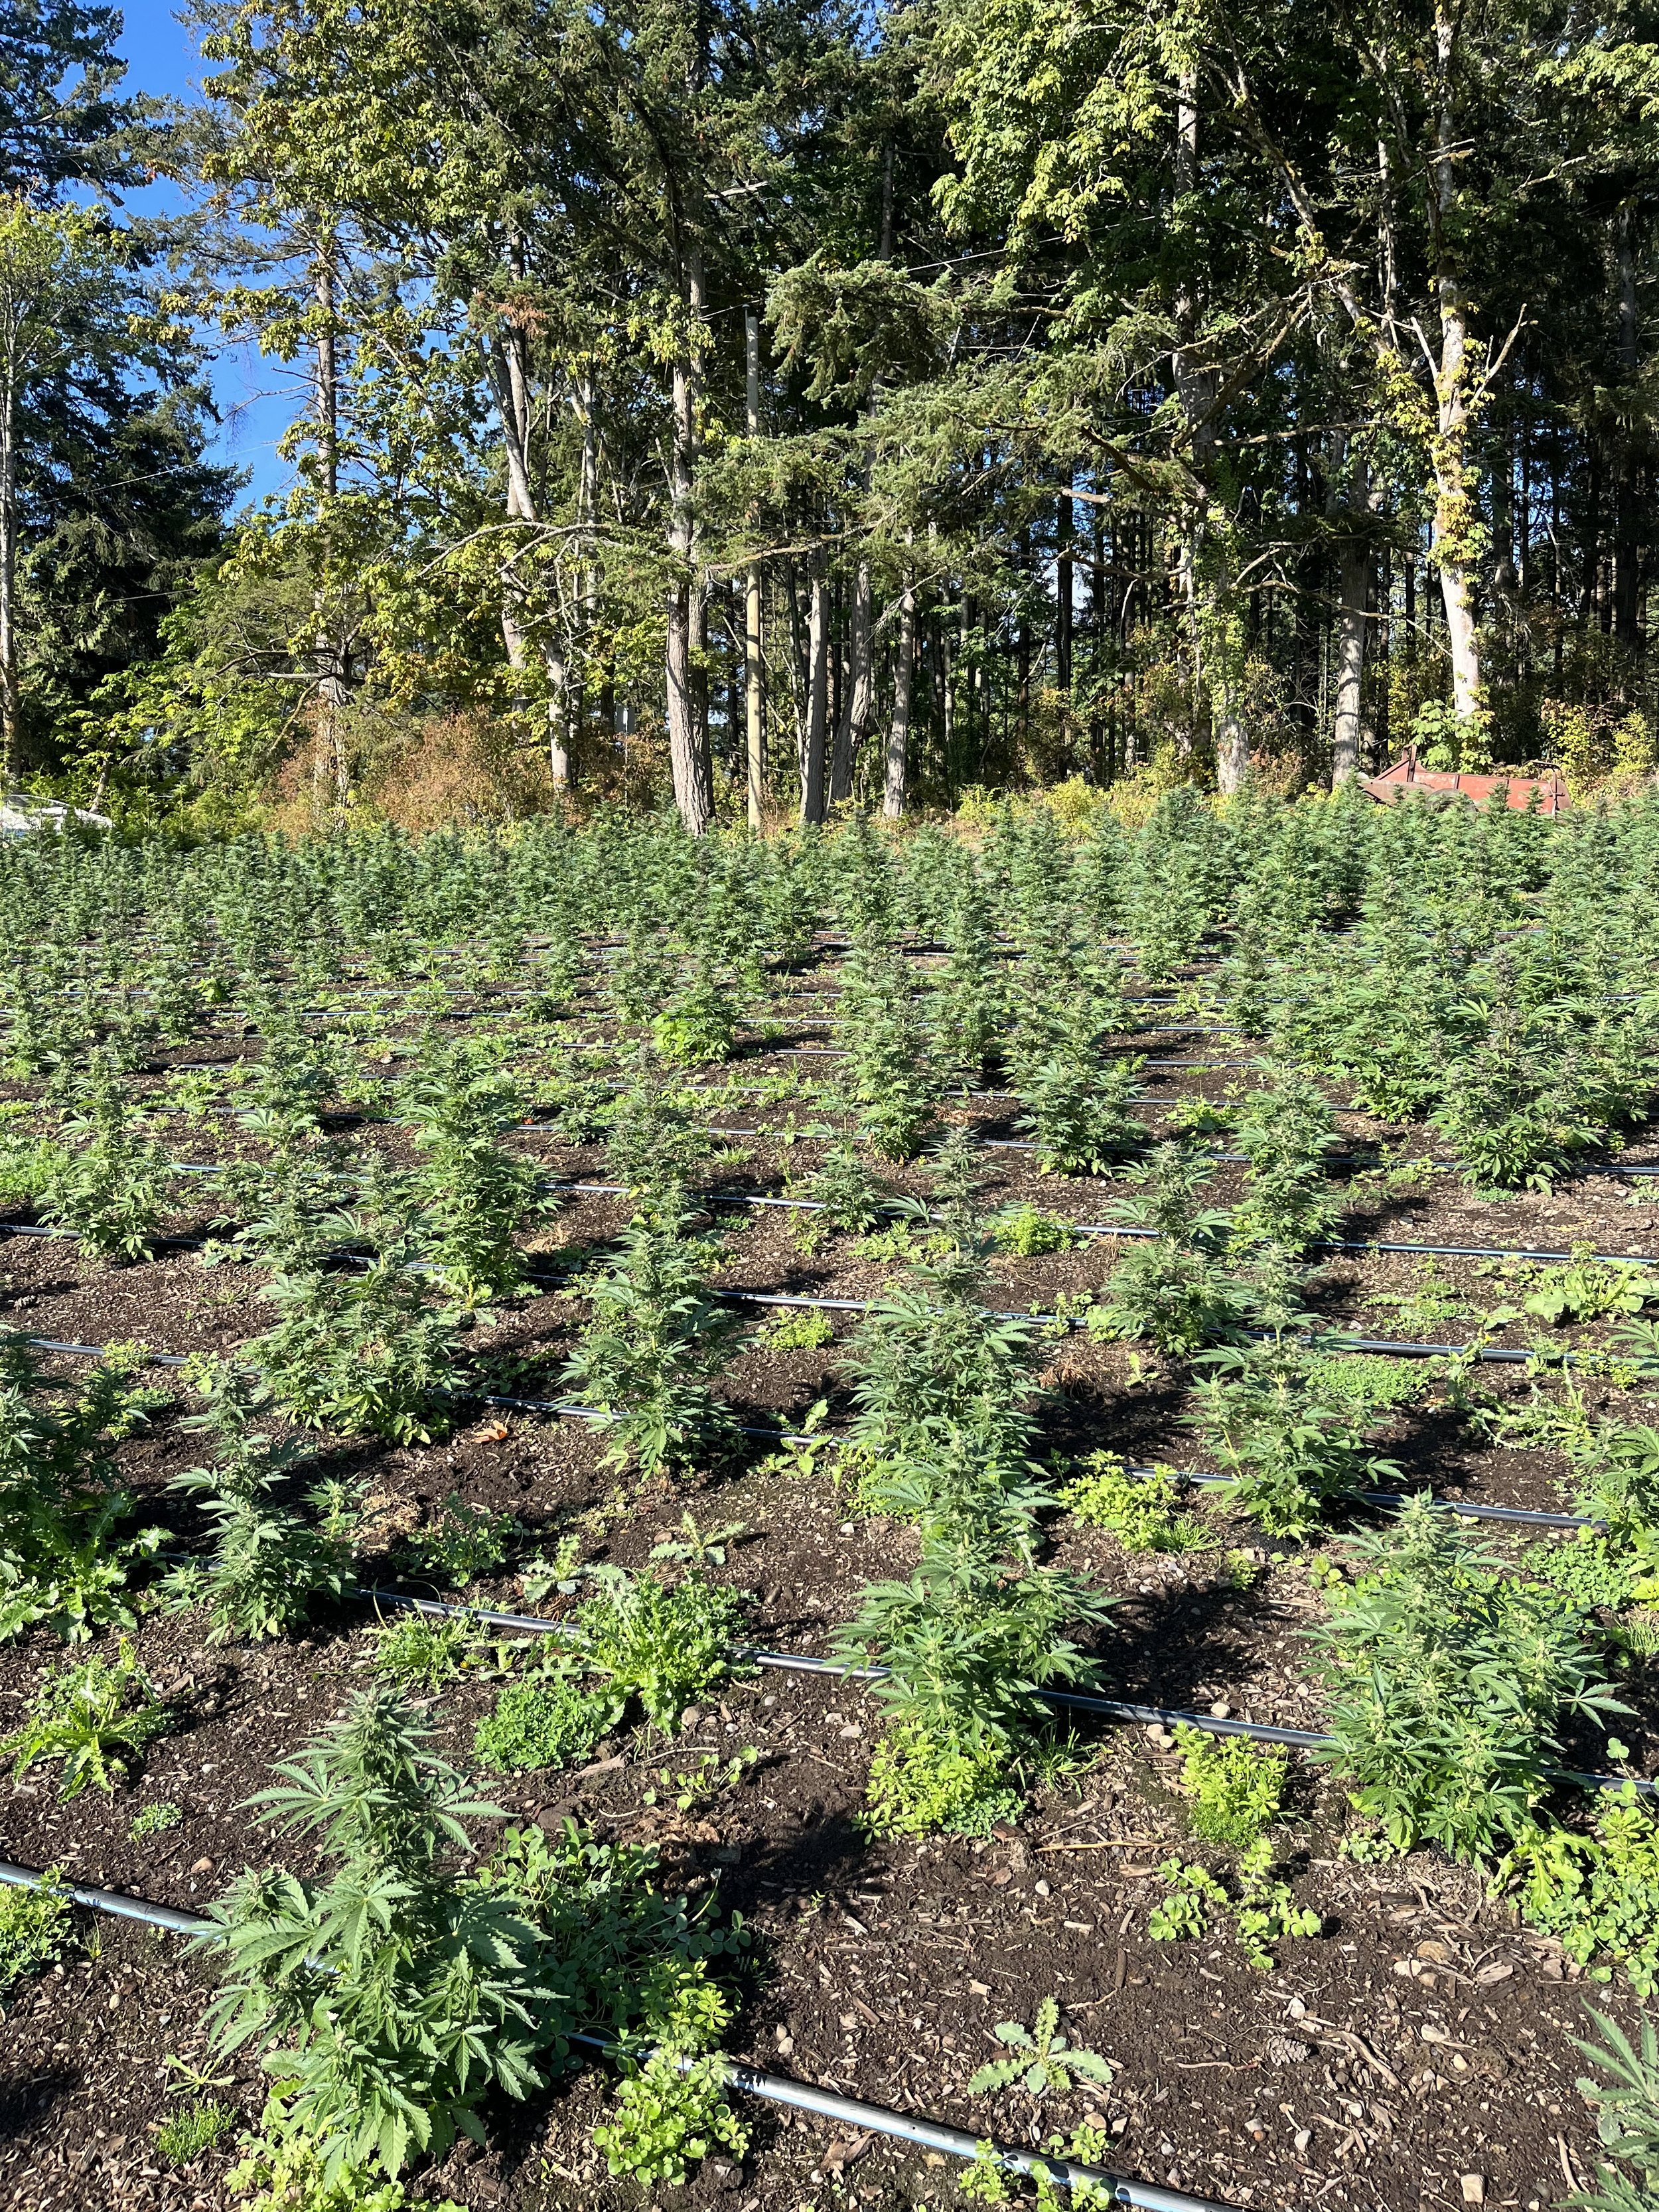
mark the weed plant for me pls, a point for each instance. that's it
(111, 1185)
(421, 1653)
(390, 1998)
(1042, 2060)
(1172, 1290)
(1448, 1683)
(657, 1339)
(1625, 2102)
(1265, 1911)
(34, 1927)
(470, 1196)
(93, 1718)
(365, 1351)
(61, 1561)
(269, 1565)
(1289, 1447)
(1283, 1129)
(891, 1081)
(699, 1026)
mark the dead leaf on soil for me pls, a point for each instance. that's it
(842, 2153)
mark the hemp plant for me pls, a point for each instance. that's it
(655, 1342)
(269, 1565)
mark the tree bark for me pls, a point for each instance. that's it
(1353, 592)
(1626, 551)
(818, 699)
(754, 696)
(898, 734)
(1063, 566)
(1452, 536)
(10, 704)
(688, 735)
(858, 691)
(333, 679)
(1206, 558)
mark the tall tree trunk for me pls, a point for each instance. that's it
(1626, 549)
(688, 735)
(1205, 562)
(858, 701)
(898, 734)
(1453, 530)
(1353, 591)
(10, 703)
(1063, 588)
(510, 375)
(818, 699)
(332, 681)
(754, 696)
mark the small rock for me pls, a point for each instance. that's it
(1221, 1710)
(203, 1866)
(1044, 1890)
(1302, 2138)
(1473, 2186)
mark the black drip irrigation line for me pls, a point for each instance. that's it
(1388, 1501)
(775, 2089)
(1125, 1232)
(1068, 1700)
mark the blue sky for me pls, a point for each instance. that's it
(162, 58)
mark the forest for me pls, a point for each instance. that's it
(773, 407)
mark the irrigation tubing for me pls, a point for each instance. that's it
(1068, 1700)
(1127, 1233)
(1388, 1501)
(775, 2089)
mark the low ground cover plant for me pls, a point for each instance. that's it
(1145, 1512)
(1235, 1787)
(1041, 2059)
(92, 1718)
(461, 1543)
(666, 1646)
(1597, 1892)
(35, 1927)
(1264, 1911)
